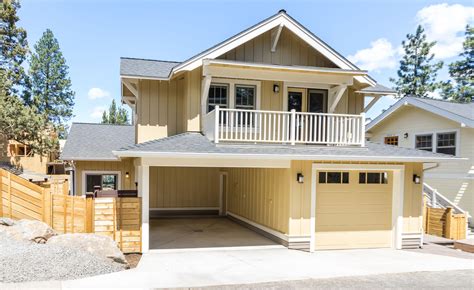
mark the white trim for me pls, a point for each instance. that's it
(100, 172)
(434, 139)
(183, 208)
(259, 226)
(397, 195)
(143, 173)
(422, 105)
(210, 156)
(221, 192)
(274, 21)
(276, 37)
(338, 93)
(371, 103)
(212, 162)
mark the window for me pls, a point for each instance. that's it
(101, 181)
(424, 142)
(392, 140)
(334, 177)
(373, 178)
(446, 143)
(218, 96)
(245, 97)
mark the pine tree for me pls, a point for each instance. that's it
(462, 72)
(51, 92)
(417, 74)
(13, 48)
(116, 115)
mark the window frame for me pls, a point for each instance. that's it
(433, 141)
(389, 137)
(342, 173)
(93, 172)
(435, 133)
(383, 177)
(232, 83)
(227, 100)
(246, 107)
(455, 146)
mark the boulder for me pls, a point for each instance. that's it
(101, 246)
(29, 230)
(4, 221)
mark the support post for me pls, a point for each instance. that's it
(293, 126)
(216, 124)
(144, 193)
(362, 133)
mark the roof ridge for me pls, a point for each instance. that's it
(439, 100)
(149, 59)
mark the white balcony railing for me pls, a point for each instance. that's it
(292, 127)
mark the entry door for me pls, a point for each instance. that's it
(317, 101)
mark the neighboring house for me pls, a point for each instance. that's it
(266, 127)
(435, 126)
(19, 156)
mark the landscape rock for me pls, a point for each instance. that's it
(101, 246)
(29, 230)
(6, 221)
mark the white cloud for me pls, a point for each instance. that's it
(381, 54)
(445, 24)
(97, 112)
(97, 93)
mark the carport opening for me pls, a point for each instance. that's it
(188, 211)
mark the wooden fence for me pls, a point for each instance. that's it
(444, 223)
(119, 218)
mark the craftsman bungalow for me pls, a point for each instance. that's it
(266, 128)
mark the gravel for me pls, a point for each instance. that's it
(27, 261)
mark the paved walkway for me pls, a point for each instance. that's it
(199, 268)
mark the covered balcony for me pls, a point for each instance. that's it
(260, 126)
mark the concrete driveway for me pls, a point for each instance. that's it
(181, 268)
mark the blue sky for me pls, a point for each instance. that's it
(93, 35)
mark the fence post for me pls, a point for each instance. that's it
(447, 224)
(89, 216)
(9, 175)
(428, 210)
(293, 126)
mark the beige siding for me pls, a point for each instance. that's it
(172, 187)
(260, 195)
(126, 165)
(269, 100)
(291, 50)
(456, 185)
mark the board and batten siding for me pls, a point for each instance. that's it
(260, 195)
(290, 50)
(450, 178)
(184, 187)
(124, 166)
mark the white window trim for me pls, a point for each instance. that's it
(218, 84)
(287, 85)
(94, 172)
(232, 83)
(435, 138)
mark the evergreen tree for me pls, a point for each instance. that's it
(116, 115)
(51, 92)
(14, 49)
(417, 74)
(462, 72)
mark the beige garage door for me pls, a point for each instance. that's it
(353, 209)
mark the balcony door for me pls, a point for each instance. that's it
(307, 100)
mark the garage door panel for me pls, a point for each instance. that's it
(353, 215)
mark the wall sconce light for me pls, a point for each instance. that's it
(127, 175)
(300, 177)
(416, 179)
(276, 88)
(405, 135)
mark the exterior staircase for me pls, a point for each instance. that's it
(437, 200)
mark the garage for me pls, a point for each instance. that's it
(353, 209)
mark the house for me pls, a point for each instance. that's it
(266, 128)
(434, 126)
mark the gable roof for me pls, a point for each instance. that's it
(88, 141)
(196, 145)
(378, 89)
(146, 68)
(457, 112)
(279, 19)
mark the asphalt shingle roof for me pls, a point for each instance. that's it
(146, 67)
(378, 88)
(87, 141)
(196, 143)
(463, 110)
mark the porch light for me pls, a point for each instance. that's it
(416, 179)
(300, 177)
(405, 135)
(276, 88)
(127, 175)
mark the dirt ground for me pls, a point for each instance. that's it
(133, 259)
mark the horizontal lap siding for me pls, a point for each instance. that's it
(178, 187)
(260, 195)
